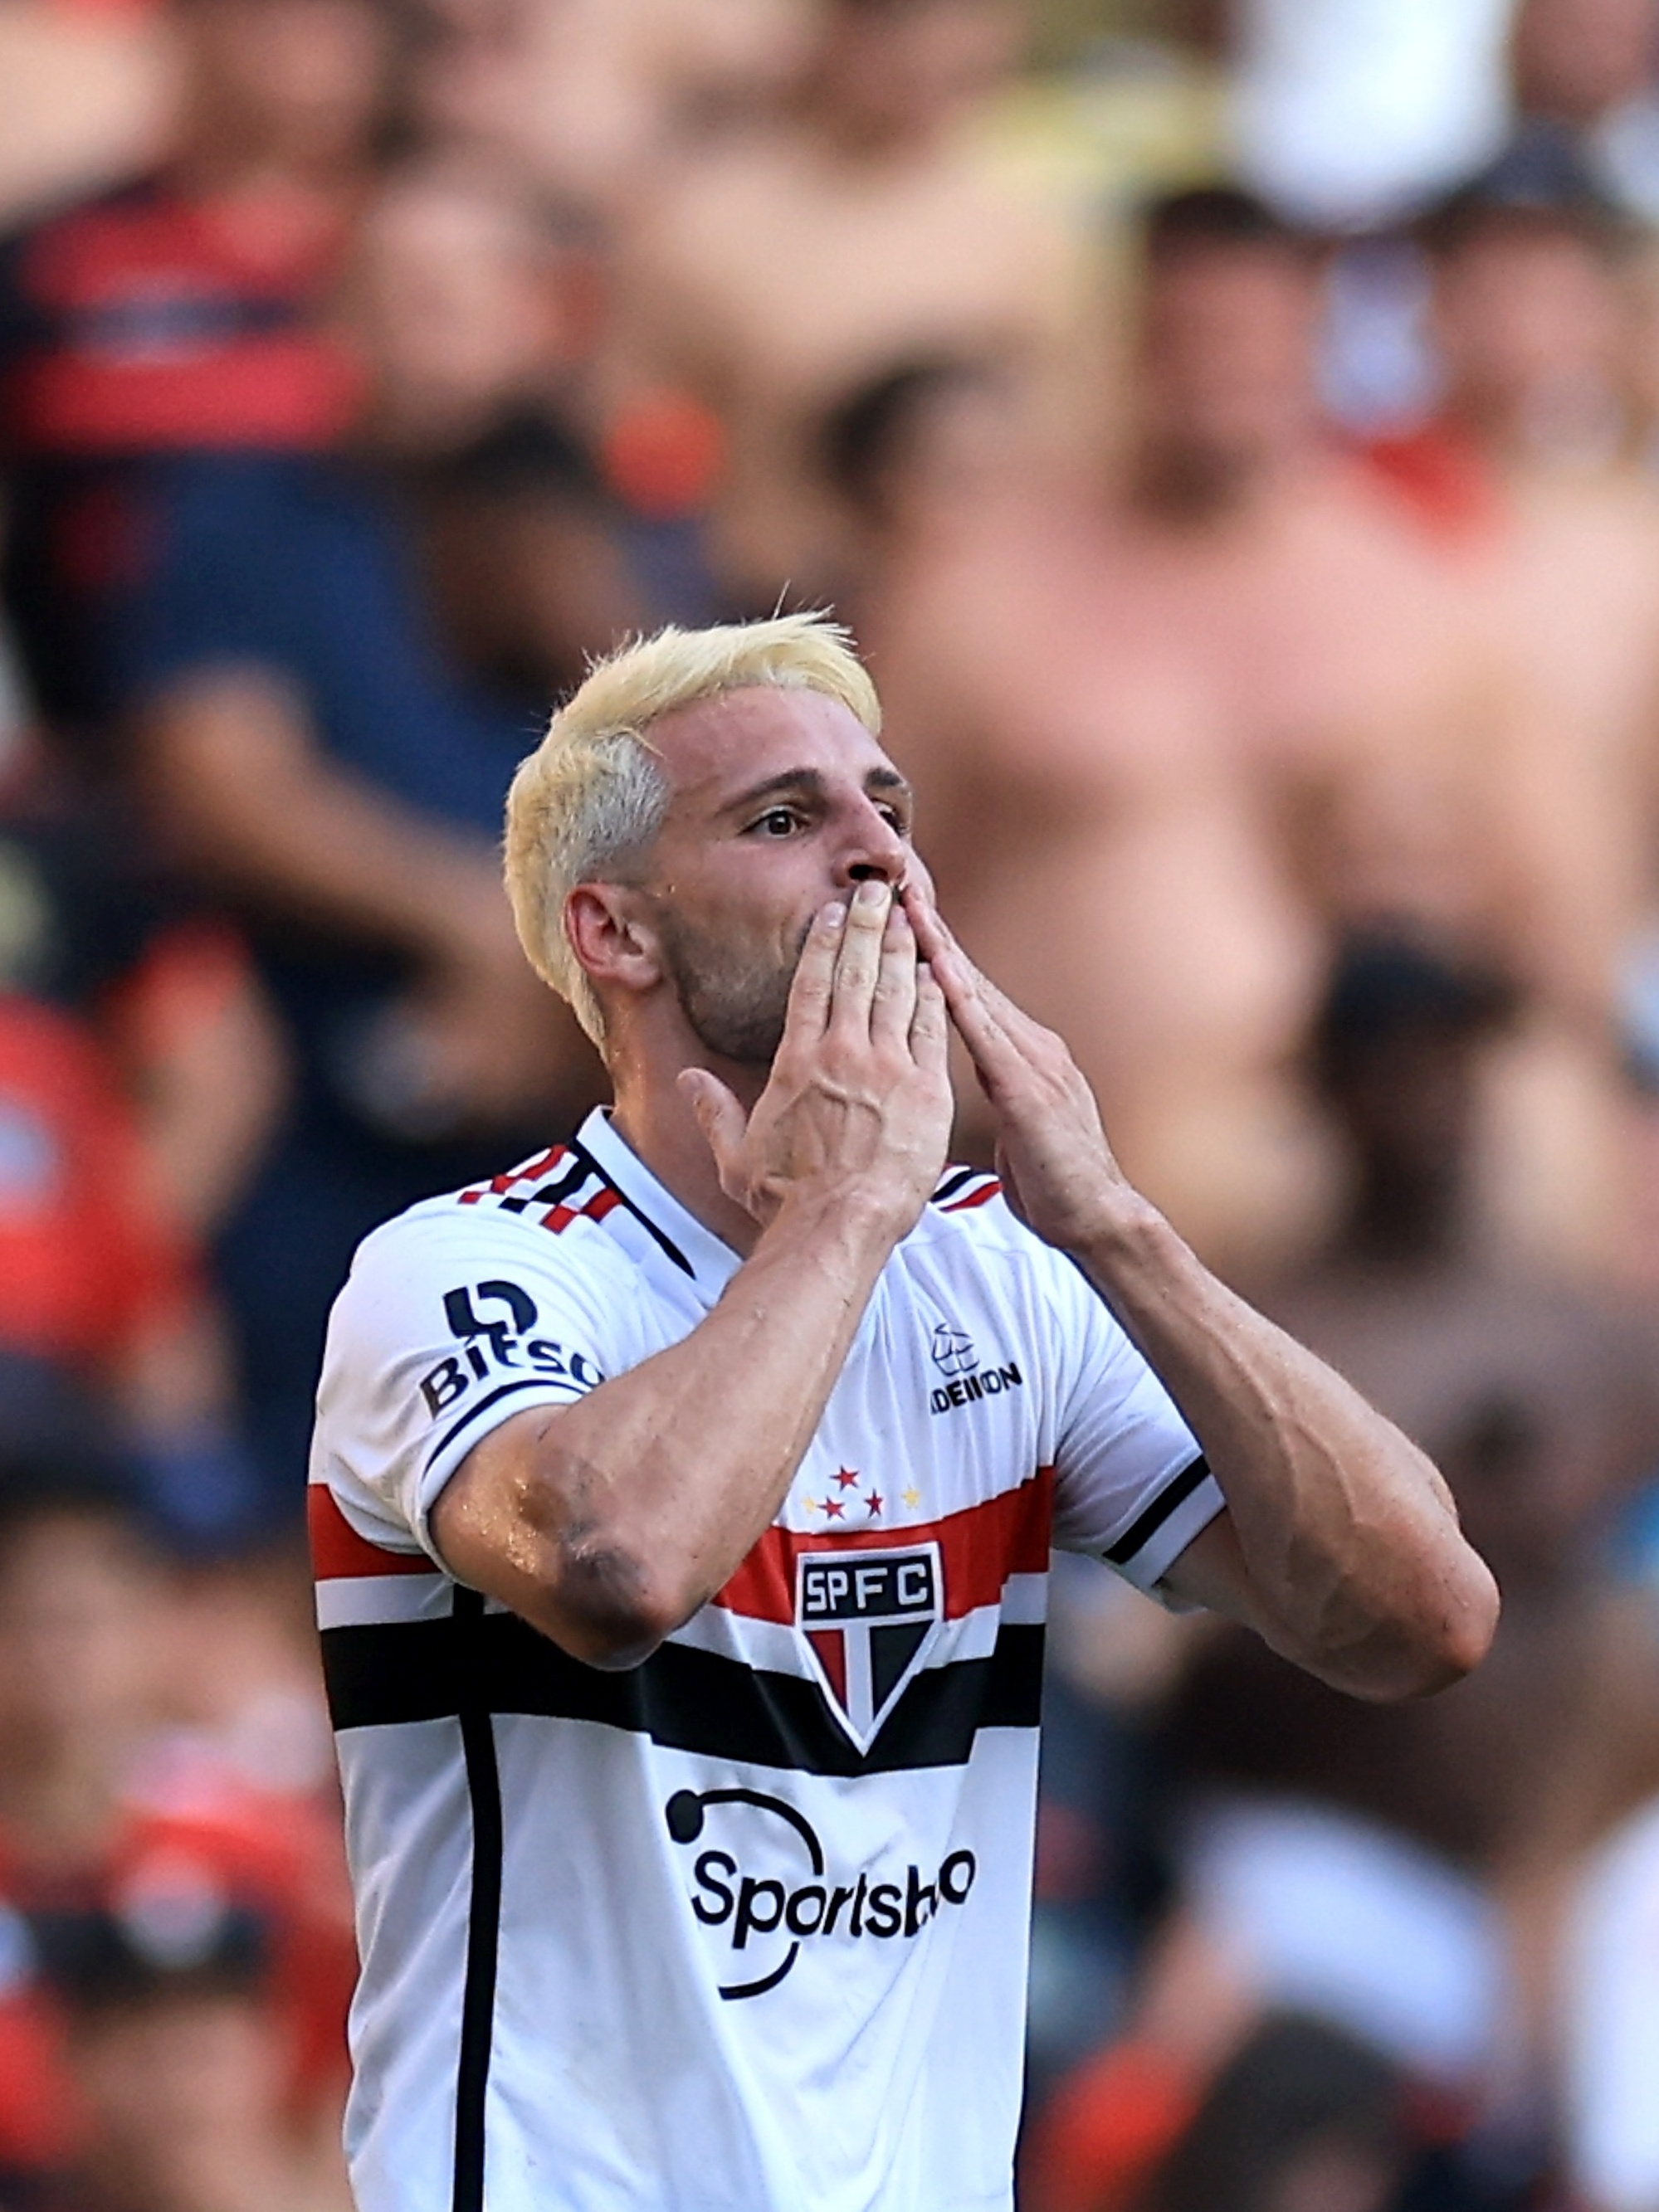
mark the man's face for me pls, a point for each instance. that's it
(782, 801)
(1529, 317)
(306, 78)
(1229, 351)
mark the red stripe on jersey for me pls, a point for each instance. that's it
(597, 1207)
(979, 1548)
(986, 1191)
(831, 1649)
(498, 1186)
(337, 1550)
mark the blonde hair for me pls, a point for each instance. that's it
(592, 796)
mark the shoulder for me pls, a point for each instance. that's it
(542, 1217)
(968, 1228)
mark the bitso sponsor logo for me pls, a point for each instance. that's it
(966, 1382)
(493, 1322)
(766, 1918)
(868, 1619)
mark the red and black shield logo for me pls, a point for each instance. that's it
(868, 1618)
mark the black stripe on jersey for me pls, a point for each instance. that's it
(660, 1236)
(683, 1699)
(549, 1193)
(954, 1183)
(1147, 1526)
(506, 1390)
(484, 1925)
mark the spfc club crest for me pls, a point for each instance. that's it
(868, 1618)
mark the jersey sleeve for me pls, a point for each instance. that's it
(444, 1328)
(1132, 1485)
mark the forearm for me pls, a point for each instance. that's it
(253, 801)
(633, 1506)
(1352, 1562)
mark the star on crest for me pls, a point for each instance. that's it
(873, 1500)
(911, 1498)
(833, 1509)
(846, 1477)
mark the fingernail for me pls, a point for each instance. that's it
(871, 893)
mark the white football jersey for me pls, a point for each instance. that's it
(744, 1927)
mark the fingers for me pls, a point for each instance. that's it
(930, 1024)
(810, 993)
(720, 1117)
(990, 1024)
(859, 962)
(895, 999)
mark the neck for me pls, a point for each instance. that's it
(1188, 488)
(1406, 1221)
(654, 1119)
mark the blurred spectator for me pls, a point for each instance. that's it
(1400, 1870)
(178, 313)
(1303, 2118)
(915, 456)
(594, 100)
(1584, 73)
(1207, 713)
(136, 1084)
(853, 231)
(178, 2058)
(1528, 485)
(83, 1674)
(318, 756)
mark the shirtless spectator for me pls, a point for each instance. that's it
(595, 98)
(1208, 715)
(855, 229)
(1527, 487)
(1403, 1872)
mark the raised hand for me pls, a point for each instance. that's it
(857, 1109)
(1057, 1168)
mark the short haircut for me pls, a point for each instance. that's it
(1207, 216)
(865, 434)
(587, 804)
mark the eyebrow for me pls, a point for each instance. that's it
(808, 781)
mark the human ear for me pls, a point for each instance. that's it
(611, 934)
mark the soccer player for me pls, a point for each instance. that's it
(683, 1500)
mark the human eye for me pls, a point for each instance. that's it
(775, 822)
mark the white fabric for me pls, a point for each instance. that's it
(1610, 2010)
(1331, 1914)
(675, 2026)
(1353, 112)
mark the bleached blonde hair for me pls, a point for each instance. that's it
(585, 805)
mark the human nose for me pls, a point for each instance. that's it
(877, 851)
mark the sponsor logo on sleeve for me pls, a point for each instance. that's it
(764, 1919)
(493, 1323)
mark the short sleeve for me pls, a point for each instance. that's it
(1132, 1485)
(224, 581)
(447, 1327)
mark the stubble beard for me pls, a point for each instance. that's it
(736, 1004)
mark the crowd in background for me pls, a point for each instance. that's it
(1231, 432)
